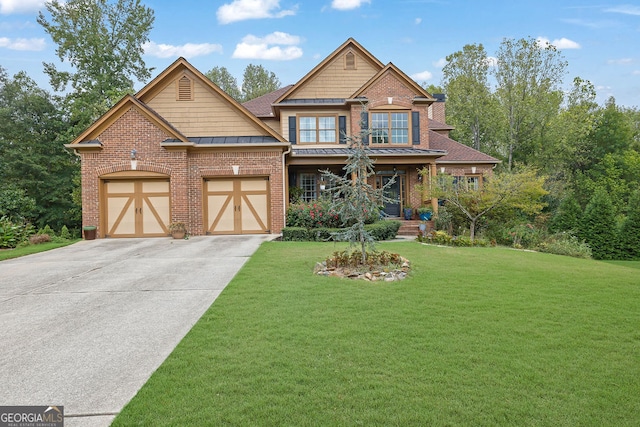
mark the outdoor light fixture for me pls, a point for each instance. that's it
(389, 100)
(236, 169)
(323, 186)
(442, 169)
(134, 160)
(473, 169)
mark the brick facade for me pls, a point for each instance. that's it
(185, 168)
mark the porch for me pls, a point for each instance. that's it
(411, 227)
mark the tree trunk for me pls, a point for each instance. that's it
(472, 229)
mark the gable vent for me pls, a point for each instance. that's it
(185, 89)
(349, 61)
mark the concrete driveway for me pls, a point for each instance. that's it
(86, 325)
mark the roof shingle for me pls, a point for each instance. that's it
(457, 152)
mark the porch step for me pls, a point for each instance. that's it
(412, 227)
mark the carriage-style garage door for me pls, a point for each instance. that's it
(136, 208)
(236, 206)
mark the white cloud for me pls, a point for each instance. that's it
(418, 21)
(188, 50)
(8, 7)
(492, 61)
(277, 37)
(561, 43)
(621, 61)
(252, 47)
(636, 72)
(22, 44)
(348, 4)
(422, 76)
(626, 9)
(440, 63)
(241, 10)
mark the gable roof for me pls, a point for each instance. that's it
(118, 111)
(179, 66)
(457, 152)
(351, 43)
(390, 68)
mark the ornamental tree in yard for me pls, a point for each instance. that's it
(509, 190)
(353, 198)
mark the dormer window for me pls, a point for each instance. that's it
(349, 61)
(184, 89)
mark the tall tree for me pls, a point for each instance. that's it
(527, 75)
(353, 196)
(598, 226)
(223, 78)
(471, 106)
(629, 237)
(103, 42)
(33, 162)
(568, 146)
(257, 81)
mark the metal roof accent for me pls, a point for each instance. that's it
(307, 101)
(319, 152)
(230, 140)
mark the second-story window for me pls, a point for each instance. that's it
(390, 127)
(318, 129)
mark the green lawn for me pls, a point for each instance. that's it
(476, 336)
(33, 249)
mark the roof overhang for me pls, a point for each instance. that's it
(90, 146)
(337, 156)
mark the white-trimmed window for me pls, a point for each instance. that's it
(317, 129)
(309, 185)
(390, 128)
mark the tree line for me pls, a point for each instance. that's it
(513, 107)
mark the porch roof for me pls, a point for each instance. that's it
(337, 155)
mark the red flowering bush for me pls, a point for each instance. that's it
(313, 214)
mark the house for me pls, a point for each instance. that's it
(181, 149)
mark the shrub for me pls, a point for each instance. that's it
(354, 259)
(383, 230)
(565, 244)
(64, 233)
(39, 238)
(312, 215)
(323, 234)
(47, 230)
(296, 234)
(12, 234)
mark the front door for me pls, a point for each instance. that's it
(394, 192)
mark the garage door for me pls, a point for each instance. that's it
(136, 208)
(237, 206)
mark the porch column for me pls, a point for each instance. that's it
(432, 179)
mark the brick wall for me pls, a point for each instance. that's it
(185, 169)
(401, 96)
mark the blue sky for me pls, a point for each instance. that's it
(599, 39)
